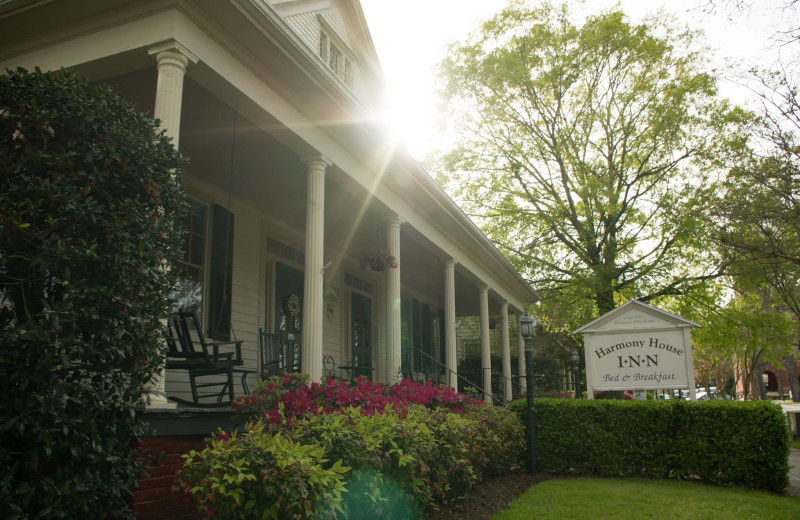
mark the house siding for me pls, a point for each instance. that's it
(244, 297)
(246, 282)
(307, 27)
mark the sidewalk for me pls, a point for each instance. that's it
(794, 456)
(794, 473)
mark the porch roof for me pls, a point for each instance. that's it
(252, 59)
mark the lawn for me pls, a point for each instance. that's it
(598, 499)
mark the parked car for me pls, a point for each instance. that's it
(701, 394)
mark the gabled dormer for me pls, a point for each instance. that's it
(335, 31)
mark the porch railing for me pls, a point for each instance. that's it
(468, 382)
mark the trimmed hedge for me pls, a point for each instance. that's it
(721, 442)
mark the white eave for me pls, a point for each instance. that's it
(596, 325)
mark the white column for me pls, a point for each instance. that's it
(172, 58)
(312, 287)
(521, 358)
(451, 354)
(395, 360)
(486, 353)
(506, 352)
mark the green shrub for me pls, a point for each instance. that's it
(89, 201)
(262, 474)
(386, 453)
(501, 440)
(722, 442)
(404, 461)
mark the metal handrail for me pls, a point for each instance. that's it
(478, 388)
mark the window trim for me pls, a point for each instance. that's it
(204, 268)
(329, 42)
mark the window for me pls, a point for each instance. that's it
(419, 335)
(336, 58)
(204, 234)
(323, 45)
(190, 288)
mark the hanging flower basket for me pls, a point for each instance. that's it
(379, 260)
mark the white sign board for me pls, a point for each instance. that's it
(628, 360)
(638, 347)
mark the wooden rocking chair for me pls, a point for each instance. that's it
(188, 350)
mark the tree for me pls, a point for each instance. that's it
(737, 337)
(583, 152)
(759, 216)
(89, 216)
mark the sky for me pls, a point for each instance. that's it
(411, 38)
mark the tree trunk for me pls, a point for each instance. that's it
(791, 373)
(605, 301)
(762, 388)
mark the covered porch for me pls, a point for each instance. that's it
(293, 179)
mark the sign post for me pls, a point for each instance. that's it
(637, 346)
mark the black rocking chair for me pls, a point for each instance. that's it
(189, 350)
(271, 359)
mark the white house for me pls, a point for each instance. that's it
(277, 104)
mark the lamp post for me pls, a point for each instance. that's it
(576, 373)
(526, 330)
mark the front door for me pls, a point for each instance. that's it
(361, 335)
(289, 315)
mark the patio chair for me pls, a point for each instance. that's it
(329, 367)
(188, 349)
(271, 362)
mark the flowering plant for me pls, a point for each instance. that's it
(283, 398)
(378, 260)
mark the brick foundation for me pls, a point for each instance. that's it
(156, 499)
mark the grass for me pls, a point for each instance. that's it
(599, 499)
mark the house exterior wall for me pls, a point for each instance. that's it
(308, 28)
(246, 282)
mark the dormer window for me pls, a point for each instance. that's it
(336, 58)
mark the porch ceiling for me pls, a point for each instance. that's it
(288, 107)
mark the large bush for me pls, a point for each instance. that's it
(409, 448)
(262, 474)
(88, 205)
(722, 442)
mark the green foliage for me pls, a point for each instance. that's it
(721, 442)
(585, 153)
(547, 374)
(89, 201)
(751, 328)
(405, 459)
(262, 474)
(403, 466)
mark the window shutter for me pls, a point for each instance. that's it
(221, 273)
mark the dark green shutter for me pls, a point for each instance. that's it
(219, 324)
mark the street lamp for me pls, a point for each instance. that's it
(526, 330)
(576, 373)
